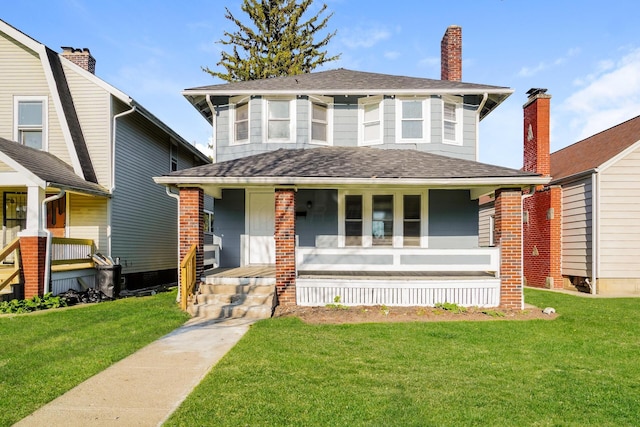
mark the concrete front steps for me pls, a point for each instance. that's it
(234, 298)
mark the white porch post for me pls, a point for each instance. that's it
(35, 222)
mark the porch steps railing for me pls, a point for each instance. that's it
(188, 277)
(71, 254)
(10, 272)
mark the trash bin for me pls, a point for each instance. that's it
(108, 279)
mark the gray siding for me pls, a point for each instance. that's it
(345, 122)
(577, 228)
(485, 213)
(229, 225)
(144, 218)
(321, 219)
(619, 220)
(453, 219)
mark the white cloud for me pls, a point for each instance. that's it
(391, 55)
(611, 96)
(545, 65)
(359, 37)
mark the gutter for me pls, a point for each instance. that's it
(595, 234)
(532, 191)
(214, 122)
(485, 96)
(177, 197)
(113, 146)
(47, 257)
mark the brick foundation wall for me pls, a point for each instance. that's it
(32, 254)
(192, 225)
(508, 224)
(285, 237)
(542, 239)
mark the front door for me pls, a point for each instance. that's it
(261, 214)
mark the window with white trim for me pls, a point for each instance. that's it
(173, 154)
(451, 121)
(391, 219)
(370, 122)
(30, 121)
(279, 120)
(319, 122)
(239, 113)
(412, 124)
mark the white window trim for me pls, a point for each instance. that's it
(292, 119)
(492, 224)
(45, 117)
(367, 101)
(233, 102)
(328, 102)
(458, 128)
(211, 220)
(398, 216)
(426, 118)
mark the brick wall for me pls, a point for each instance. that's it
(451, 54)
(508, 224)
(80, 57)
(192, 225)
(285, 237)
(32, 254)
(542, 239)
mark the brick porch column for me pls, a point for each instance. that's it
(508, 223)
(192, 225)
(32, 253)
(285, 236)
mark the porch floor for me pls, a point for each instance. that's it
(262, 270)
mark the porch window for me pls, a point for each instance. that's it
(353, 220)
(452, 121)
(370, 121)
(382, 221)
(411, 224)
(30, 121)
(411, 122)
(279, 120)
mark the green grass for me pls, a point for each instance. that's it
(44, 354)
(581, 369)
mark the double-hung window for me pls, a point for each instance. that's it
(279, 119)
(452, 121)
(30, 121)
(370, 120)
(239, 120)
(353, 220)
(320, 119)
(411, 120)
(173, 154)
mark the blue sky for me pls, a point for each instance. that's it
(587, 53)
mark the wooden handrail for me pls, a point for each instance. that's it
(187, 276)
(14, 277)
(15, 244)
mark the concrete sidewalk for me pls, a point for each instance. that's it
(146, 387)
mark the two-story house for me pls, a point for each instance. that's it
(77, 157)
(360, 186)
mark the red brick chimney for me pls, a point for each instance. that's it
(536, 132)
(451, 54)
(80, 57)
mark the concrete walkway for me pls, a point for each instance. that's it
(146, 387)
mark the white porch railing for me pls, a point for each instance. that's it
(71, 264)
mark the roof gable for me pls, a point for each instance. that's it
(596, 150)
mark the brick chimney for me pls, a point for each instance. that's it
(451, 54)
(81, 57)
(536, 132)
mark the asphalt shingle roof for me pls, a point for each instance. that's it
(595, 150)
(350, 162)
(335, 81)
(48, 167)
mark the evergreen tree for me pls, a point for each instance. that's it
(280, 43)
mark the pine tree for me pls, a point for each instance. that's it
(280, 43)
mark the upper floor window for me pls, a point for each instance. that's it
(239, 120)
(30, 121)
(173, 154)
(280, 114)
(452, 121)
(320, 120)
(370, 122)
(412, 122)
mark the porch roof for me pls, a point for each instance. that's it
(350, 165)
(45, 169)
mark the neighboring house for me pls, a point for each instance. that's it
(360, 186)
(583, 229)
(77, 157)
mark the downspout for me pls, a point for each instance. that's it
(214, 115)
(177, 197)
(113, 172)
(532, 191)
(47, 256)
(595, 234)
(485, 96)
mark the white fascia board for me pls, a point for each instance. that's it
(325, 92)
(618, 156)
(97, 81)
(20, 171)
(318, 182)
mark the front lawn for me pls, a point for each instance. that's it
(580, 369)
(44, 354)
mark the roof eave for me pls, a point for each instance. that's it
(388, 91)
